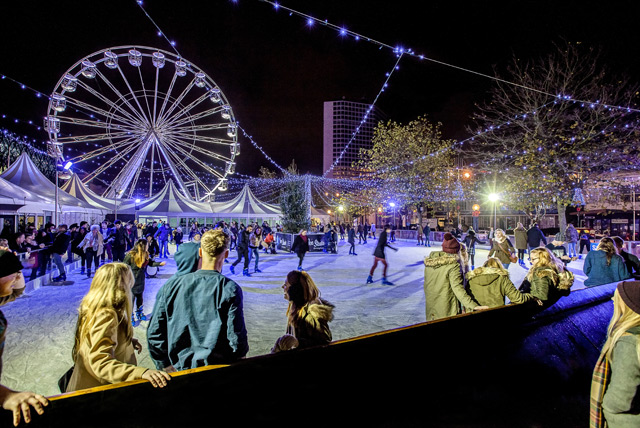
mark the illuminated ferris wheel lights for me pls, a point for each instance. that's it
(200, 80)
(52, 124)
(235, 149)
(158, 59)
(230, 167)
(110, 60)
(89, 69)
(181, 68)
(226, 113)
(69, 83)
(135, 57)
(214, 95)
(59, 102)
(232, 131)
(223, 185)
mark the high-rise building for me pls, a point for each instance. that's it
(345, 124)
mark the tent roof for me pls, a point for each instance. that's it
(21, 196)
(23, 173)
(246, 203)
(168, 200)
(76, 188)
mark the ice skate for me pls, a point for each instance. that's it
(369, 279)
(257, 270)
(245, 272)
(140, 314)
(233, 271)
(386, 282)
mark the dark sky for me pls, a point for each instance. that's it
(276, 72)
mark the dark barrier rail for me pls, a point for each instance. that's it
(506, 367)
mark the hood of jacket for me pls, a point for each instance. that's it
(187, 258)
(439, 259)
(322, 311)
(485, 275)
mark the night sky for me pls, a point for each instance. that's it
(276, 71)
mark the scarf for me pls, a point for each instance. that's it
(599, 381)
(304, 237)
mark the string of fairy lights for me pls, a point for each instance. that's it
(270, 187)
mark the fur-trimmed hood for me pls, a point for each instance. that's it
(439, 259)
(562, 280)
(486, 275)
(318, 312)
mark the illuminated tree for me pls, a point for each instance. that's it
(295, 201)
(562, 120)
(414, 165)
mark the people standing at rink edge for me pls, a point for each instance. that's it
(604, 265)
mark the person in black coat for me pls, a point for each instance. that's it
(534, 236)
(58, 248)
(300, 246)
(427, 235)
(243, 250)
(351, 238)
(119, 244)
(378, 256)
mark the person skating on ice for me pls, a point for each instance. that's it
(378, 256)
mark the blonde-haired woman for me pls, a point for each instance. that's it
(502, 248)
(547, 279)
(103, 352)
(138, 259)
(604, 265)
(615, 384)
(490, 284)
(308, 315)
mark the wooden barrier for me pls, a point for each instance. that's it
(505, 367)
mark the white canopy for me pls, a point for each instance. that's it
(245, 203)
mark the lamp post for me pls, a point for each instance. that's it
(494, 197)
(66, 168)
(393, 205)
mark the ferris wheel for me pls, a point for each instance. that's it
(135, 117)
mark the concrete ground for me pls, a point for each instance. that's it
(42, 322)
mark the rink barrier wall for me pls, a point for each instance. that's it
(504, 367)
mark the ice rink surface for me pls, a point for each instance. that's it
(41, 324)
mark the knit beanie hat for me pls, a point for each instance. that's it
(9, 263)
(450, 244)
(630, 293)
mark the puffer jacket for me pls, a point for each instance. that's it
(311, 325)
(520, 235)
(489, 286)
(444, 286)
(549, 285)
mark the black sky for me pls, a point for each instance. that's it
(276, 72)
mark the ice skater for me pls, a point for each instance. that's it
(378, 256)
(300, 246)
(351, 238)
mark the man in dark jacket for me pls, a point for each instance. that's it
(58, 248)
(243, 250)
(119, 244)
(378, 256)
(534, 236)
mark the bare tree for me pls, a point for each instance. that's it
(552, 124)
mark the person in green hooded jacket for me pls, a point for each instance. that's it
(444, 282)
(490, 284)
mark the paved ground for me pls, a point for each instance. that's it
(41, 323)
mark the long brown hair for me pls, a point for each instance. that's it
(302, 291)
(140, 252)
(110, 290)
(609, 247)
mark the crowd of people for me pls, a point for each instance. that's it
(183, 334)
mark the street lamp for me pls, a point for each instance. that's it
(494, 197)
(393, 205)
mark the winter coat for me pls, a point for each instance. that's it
(61, 243)
(620, 403)
(177, 237)
(382, 243)
(498, 250)
(597, 271)
(534, 236)
(300, 246)
(444, 286)
(351, 238)
(243, 240)
(163, 234)
(470, 242)
(88, 242)
(105, 356)
(138, 272)
(631, 262)
(489, 286)
(255, 240)
(120, 238)
(311, 326)
(571, 234)
(549, 285)
(520, 236)
(197, 320)
(419, 231)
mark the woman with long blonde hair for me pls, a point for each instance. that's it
(103, 351)
(138, 260)
(308, 315)
(490, 284)
(502, 248)
(604, 265)
(615, 383)
(547, 279)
